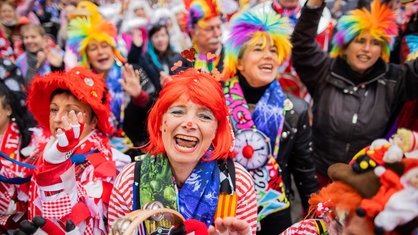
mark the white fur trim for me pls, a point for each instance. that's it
(407, 175)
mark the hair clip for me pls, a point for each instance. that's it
(189, 54)
(210, 56)
(176, 65)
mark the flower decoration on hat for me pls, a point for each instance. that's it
(85, 85)
(379, 22)
(201, 10)
(82, 31)
(248, 27)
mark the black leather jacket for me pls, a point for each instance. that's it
(349, 111)
(295, 152)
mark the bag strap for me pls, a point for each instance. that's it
(137, 181)
(227, 201)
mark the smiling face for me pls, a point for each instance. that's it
(100, 56)
(187, 131)
(363, 52)
(259, 64)
(7, 13)
(33, 40)
(61, 104)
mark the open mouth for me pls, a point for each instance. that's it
(266, 67)
(186, 142)
(363, 58)
(103, 60)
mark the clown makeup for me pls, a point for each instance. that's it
(363, 52)
(60, 106)
(188, 130)
(100, 56)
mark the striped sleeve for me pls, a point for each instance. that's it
(121, 198)
(247, 204)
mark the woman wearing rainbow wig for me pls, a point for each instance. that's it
(264, 117)
(97, 48)
(356, 92)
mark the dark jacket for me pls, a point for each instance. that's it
(170, 58)
(294, 156)
(295, 152)
(349, 112)
(135, 120)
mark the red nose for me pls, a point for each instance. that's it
(248, 151)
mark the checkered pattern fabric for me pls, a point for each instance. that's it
(56, 209)
(3, 219)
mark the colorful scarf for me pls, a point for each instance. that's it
(197, 198)
(268, 117)
(203, 62)
(117, 102)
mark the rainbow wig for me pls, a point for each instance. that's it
(247, 28)
(379, 23)
(203, 89)
(200, 11)
(81, 32)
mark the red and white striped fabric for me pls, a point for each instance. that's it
(121, 200)
(304, 227)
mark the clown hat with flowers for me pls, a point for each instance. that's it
(82, 83)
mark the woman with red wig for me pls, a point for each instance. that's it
(188, 167)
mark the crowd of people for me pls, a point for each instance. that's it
(221, 110)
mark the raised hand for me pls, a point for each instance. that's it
(67, 138)
(130, 82)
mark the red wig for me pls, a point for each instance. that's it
(203, 89)
(336, 194)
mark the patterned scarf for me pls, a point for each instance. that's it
(117, 102)
(203, 62)
(197, 198)
(268, 117)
